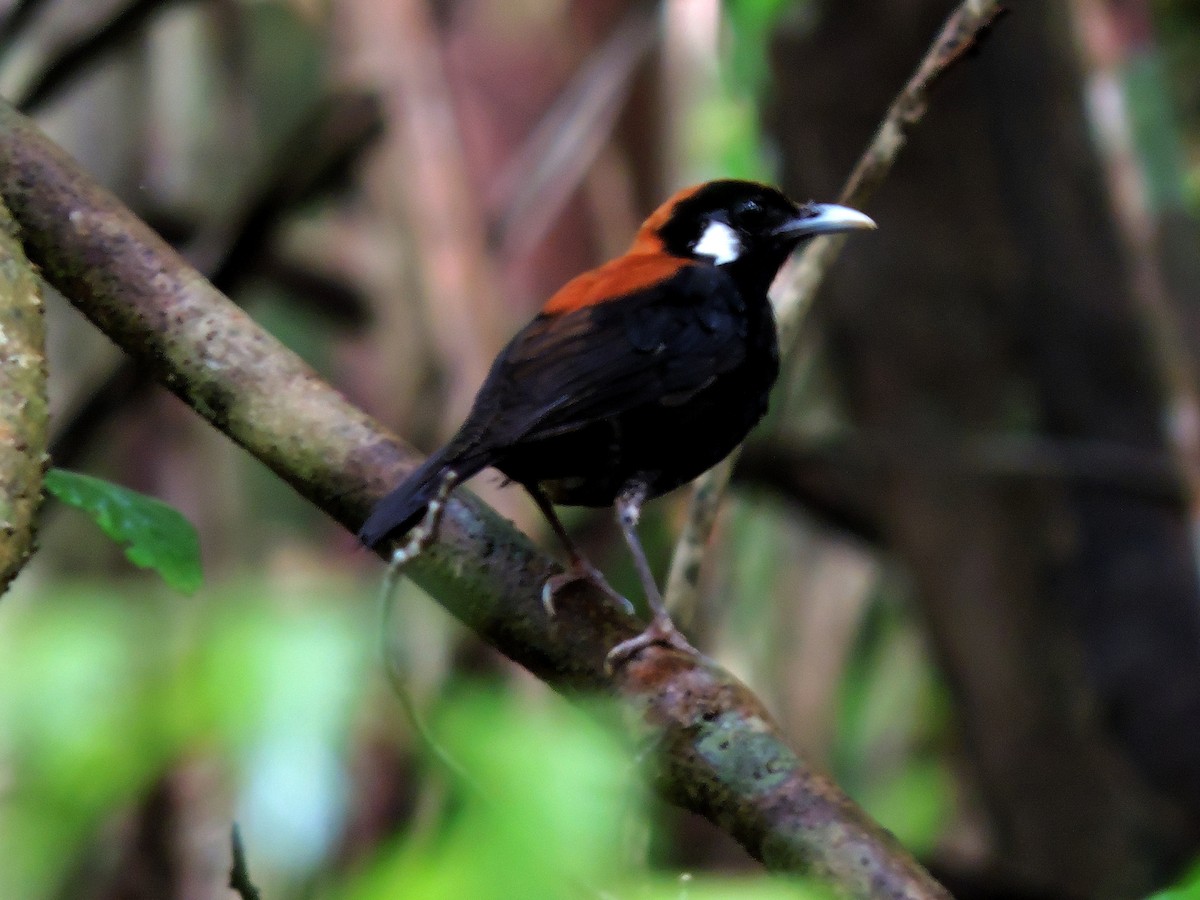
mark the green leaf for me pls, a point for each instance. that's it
(155, 536)
(1187, 888)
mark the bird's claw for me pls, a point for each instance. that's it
(576, 572)
(661, 630)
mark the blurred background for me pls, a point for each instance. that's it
(958, 561)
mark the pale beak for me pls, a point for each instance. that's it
(825, 218)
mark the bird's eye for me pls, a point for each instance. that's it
(749, 213)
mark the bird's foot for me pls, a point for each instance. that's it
(661, 630)
(580, 570)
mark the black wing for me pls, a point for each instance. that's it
(563, 372)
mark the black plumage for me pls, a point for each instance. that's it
(637, 376)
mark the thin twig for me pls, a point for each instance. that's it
(18, 17)
(834, 483)
(396, 666)
(718, 752)
(425, 155)
(683, 580)
(239, 872)
(837, 481)
(798, 282)
(528, 195)
(79, 56)
(1139, 227)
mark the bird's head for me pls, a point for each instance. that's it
(740, 222)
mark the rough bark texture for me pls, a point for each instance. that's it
(992, 359)
(722, 756)
(23, 411)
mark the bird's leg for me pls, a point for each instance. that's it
(661, 629)
(578, 567)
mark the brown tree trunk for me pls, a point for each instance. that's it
(991, 357)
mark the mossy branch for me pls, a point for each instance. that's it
(720, 753)
(24, 416)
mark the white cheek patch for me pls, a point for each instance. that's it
(720, 242)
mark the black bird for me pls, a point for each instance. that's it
(633, 379)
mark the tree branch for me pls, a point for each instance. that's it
(836, 483)
(797, 284)
(239, 870)
(19, 15)
(720, 754)
(24, 415)
(86, 51)
(529, 194)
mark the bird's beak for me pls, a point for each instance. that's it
(824, 218)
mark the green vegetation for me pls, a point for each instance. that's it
(105, 691)
(155, 536)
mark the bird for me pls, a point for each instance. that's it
(632, 379)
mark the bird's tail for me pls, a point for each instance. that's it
(403, 508)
